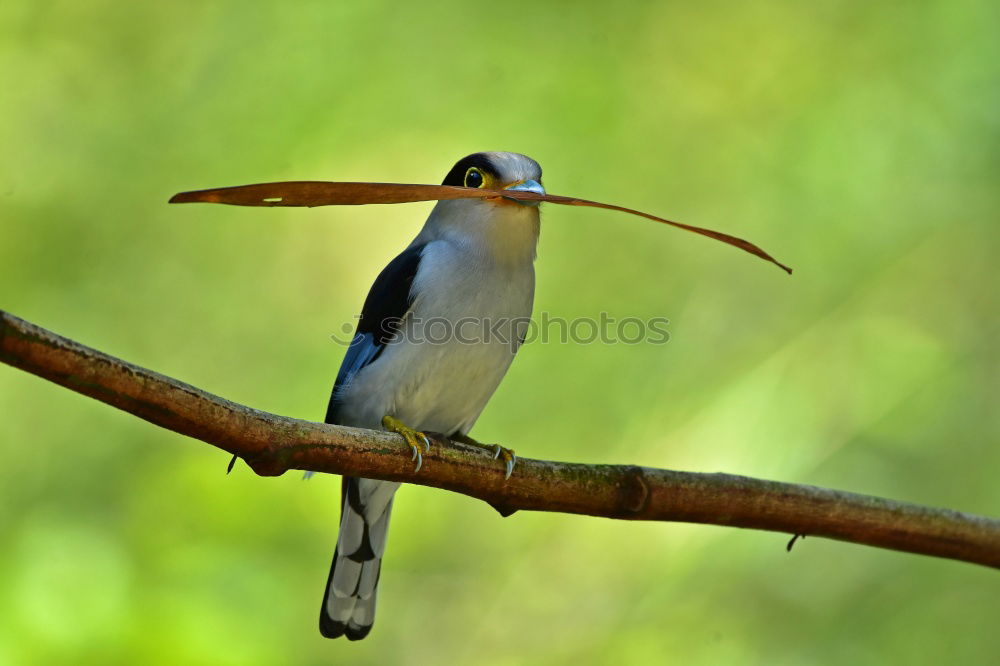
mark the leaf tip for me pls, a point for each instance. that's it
(185, 197)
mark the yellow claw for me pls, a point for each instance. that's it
(508, 455)
(414, 438)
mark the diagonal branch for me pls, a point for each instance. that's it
(272, 444)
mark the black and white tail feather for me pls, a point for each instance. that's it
(352, 587)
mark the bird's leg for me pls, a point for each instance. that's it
(414, 438)
(508, 455)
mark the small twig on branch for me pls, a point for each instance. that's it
(272, 444)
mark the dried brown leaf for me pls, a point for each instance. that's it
(321, 193)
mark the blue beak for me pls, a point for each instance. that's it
(527, 186)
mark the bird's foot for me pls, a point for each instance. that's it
(508, 455)
(509, 458)
(414, 438)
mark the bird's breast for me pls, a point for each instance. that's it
(468, 318)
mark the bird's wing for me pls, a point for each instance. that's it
(387, 303)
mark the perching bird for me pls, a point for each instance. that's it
(438, 331)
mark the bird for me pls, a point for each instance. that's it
(438, 330)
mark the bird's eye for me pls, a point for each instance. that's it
(473, 178)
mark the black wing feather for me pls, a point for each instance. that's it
(387, 303)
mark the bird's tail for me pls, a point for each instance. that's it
(349, 601)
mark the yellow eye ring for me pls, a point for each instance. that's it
(474, 178)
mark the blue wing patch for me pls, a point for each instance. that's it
(387, 303)
(361, 352)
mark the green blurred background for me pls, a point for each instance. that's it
(856, 141)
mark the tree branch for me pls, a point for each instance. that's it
(272, 444)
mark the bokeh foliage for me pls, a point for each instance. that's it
(856, 141)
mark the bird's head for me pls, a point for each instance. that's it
(498, 171)
(505, 229)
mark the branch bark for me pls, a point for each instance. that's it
(272, 444)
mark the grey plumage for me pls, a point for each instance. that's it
(438, 331)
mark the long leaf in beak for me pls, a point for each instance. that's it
(311, 193)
